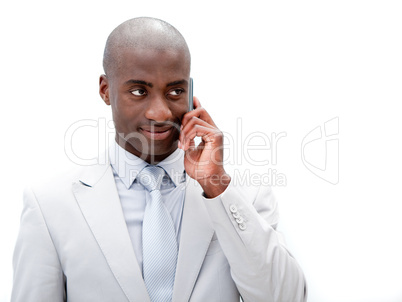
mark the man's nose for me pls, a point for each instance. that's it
(158, 110)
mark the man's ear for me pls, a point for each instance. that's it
(104, 89)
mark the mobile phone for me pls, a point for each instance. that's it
(190, 95)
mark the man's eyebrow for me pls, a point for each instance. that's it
(180, 82)
(130, 82)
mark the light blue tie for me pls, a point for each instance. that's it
(159, 244)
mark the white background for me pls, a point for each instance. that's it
(282, 66)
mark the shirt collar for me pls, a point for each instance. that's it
(127, 165)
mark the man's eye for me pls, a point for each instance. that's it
(176, 92)
(139, 92)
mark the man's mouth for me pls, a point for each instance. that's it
(157, 133)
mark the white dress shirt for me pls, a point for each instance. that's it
(133, 196)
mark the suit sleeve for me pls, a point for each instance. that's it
(38, 276)
(244, 220)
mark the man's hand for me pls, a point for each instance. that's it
(204, 162)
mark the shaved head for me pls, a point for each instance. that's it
(142, 33)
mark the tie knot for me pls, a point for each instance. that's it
(151, 177)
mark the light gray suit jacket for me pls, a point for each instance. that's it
(74, 246)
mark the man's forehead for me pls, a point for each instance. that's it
(151, 65)
(152, 58)
(150, 52)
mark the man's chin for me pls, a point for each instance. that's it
(155, 152)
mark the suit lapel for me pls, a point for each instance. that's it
(196, 234)
(97, 196)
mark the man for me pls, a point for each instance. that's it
(162, 221)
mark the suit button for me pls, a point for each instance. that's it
(236, 215)
(240, 220)
(233, 208)
(242, 226)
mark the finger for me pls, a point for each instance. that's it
(196, 102)
(196, 121)
(207, 134)
(199, 112)
(191, 144)
(188, 139)
(189, 115)
(184, 134)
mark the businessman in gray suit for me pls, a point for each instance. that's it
(93, 235)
